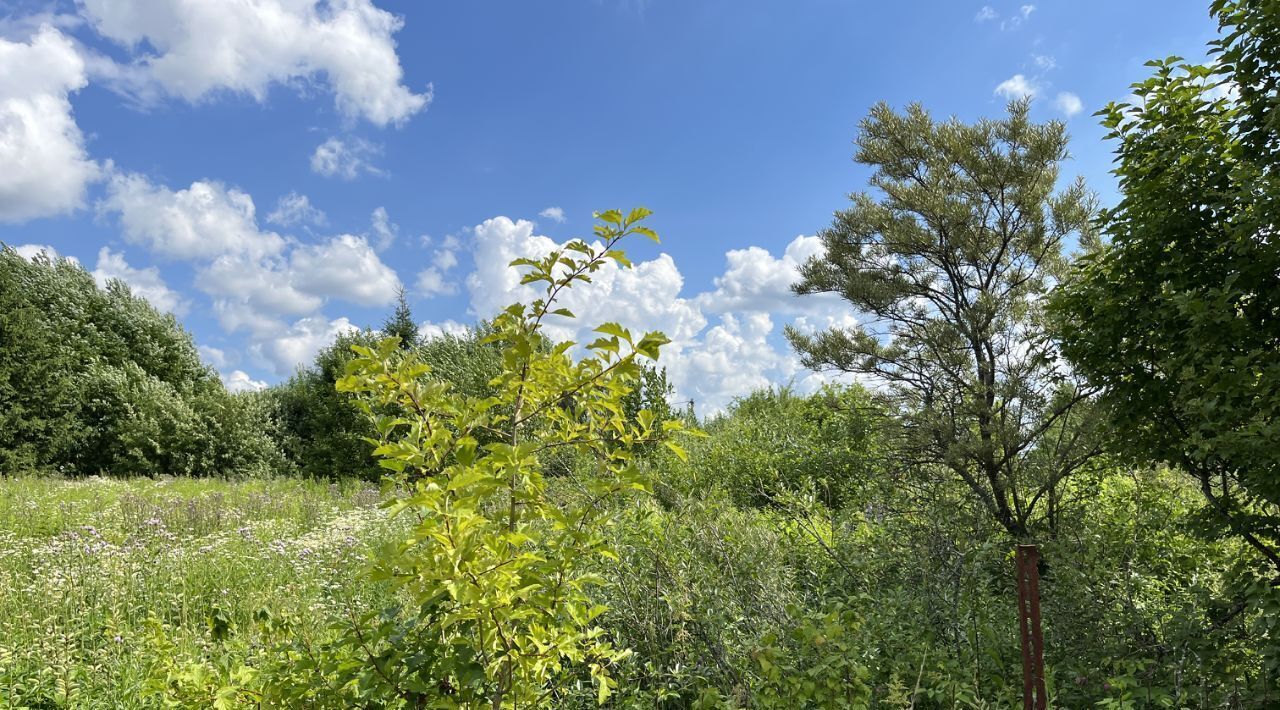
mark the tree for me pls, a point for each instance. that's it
(497, 569)
(321, 431)
(1177, 318)
(97, 381)
(949, 266)
(401, 324)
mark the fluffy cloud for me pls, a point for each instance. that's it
(986, 14)
(434, 280)
(1017, 87)
(384, 230)
(429, 329)
(346, 159)
(1068, 103)
(195, 48)
(298, 344)
(265, 287)
(146, 283)
(214, 356)
(294, 209)
(555, 214)
(46, 167)
(646, 297)
(755, 280)
(213, 225)
(344, 267)
(203, 221)
(740, 352)
(731, 359)
(240, 381)
(259, 281)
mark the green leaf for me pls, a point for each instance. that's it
(615, 330)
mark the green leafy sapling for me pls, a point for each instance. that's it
(500, 570)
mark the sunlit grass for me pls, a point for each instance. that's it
(90, 570)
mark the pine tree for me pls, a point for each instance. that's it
(401, 323)
(947, 263)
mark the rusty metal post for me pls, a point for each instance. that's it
(1028, 567)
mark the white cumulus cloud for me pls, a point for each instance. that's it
(430, 329)
(294, 209)
(194, 49)
(258, 281)
(239, 381)
(344, 267)
(31, 251)
(298, 344)
(46, 168)
(384, 230)
(435, 279)
(555, 214)
(214, 356)
(725, 342)
(203, 221)
(755, 280)
(1017, 87)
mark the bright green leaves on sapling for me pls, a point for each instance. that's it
(500, 568)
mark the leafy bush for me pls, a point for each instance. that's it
(321, 432)
(775, 440)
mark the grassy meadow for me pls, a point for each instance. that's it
(99, 578)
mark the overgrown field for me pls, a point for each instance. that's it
(190, 592)
(100, 580)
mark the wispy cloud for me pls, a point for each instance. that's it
(1017, 86)
(555, 214)
(1068, 103)
(1044, 62)
(346, 159)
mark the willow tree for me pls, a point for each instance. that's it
(946, 264)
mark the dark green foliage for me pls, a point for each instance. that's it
(1177, 319)
(321, 430)
(946, 264)
(96, 381)
(913, 596)
(774, 441)
(652, 393)
(400, 324)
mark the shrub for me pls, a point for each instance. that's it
(775, 440)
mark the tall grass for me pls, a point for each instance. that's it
(93, 572)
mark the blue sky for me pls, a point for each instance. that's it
(271, 173)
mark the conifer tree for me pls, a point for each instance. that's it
(401, 323)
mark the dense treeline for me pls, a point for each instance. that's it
(570, 538)
(96, 381)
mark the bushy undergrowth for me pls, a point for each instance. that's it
(187, 593)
